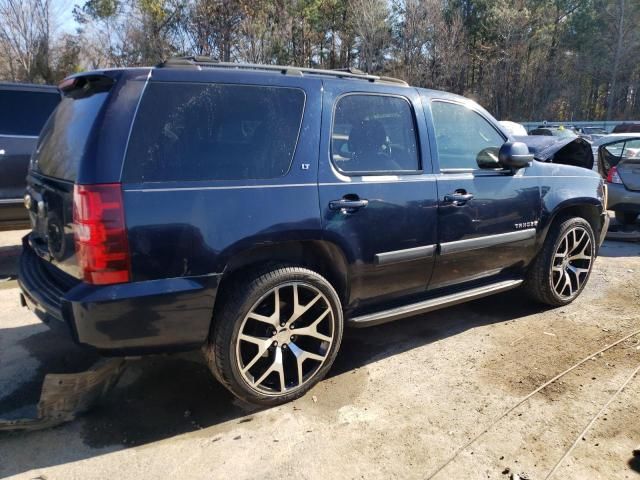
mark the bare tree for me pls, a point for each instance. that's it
(370, 24)
(25, 38)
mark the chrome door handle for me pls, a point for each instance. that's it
(458, 197)
(348, 204)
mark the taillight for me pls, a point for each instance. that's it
(613, 176)
(100, 234)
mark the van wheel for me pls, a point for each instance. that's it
(276, 334)
(561, 270)
(626, 218)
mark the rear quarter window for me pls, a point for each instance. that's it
(190, 132)
(25, 113)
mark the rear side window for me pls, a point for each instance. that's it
(374, 133)
(65, 136)
(186, 132)
(25, 113)
(461, 134)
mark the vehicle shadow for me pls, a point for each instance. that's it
(618, 249)
(634, 463)
(162, 396)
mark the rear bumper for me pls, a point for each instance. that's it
(125, 319)
(621, 199)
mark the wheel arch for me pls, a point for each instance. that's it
(320, 256)
(588, 208)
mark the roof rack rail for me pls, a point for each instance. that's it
(199, 60)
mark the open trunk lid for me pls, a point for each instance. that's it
(629, 171)
(55, 166)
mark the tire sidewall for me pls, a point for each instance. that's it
(255, 291)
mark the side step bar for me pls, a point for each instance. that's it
(425, 306)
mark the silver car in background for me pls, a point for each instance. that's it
(618, 160)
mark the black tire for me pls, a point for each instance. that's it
(224, 352)
(539, 282)
(626, 218)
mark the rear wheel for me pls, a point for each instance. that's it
(626, 218)
(561, 270)
(276, 335)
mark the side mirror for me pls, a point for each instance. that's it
(488, 158)
(515, 155)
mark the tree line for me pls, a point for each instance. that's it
(521, 59)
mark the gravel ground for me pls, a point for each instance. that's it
(496, 387)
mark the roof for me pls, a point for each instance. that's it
(207, 62)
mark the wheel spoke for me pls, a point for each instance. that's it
(299, 310)
(276, 366)
(267, 342)
(557, 282)
(272, 320)
(567, 283)
(301, 356)
(312, 330)
(263, 345)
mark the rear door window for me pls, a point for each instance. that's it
(374, 134)
(189, 132)
(25, 113)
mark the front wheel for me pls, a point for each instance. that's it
(276, 335)
(561, 270)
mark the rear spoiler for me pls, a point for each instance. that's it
(568, 151)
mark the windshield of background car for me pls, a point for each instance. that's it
(190, 132)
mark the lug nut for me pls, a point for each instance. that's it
(284, 346)
(274, 333)
(275, 343)
(293, 338)
(292, 327)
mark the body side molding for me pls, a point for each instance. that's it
(486, 241)
(406, 255)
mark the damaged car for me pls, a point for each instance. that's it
(256, 211)
(568, 150)
(619, 164)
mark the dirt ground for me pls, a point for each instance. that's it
(496, 387)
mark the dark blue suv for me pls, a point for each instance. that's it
(254, 211)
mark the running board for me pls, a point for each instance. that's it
(432, 304)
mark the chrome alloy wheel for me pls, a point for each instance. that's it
(285, 338)
(571, 262)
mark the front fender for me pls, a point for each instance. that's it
(570, 190)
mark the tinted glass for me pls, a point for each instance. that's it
(461, 134)
(374, 133)
(214, 132)
(64, 137)
(25, 113)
